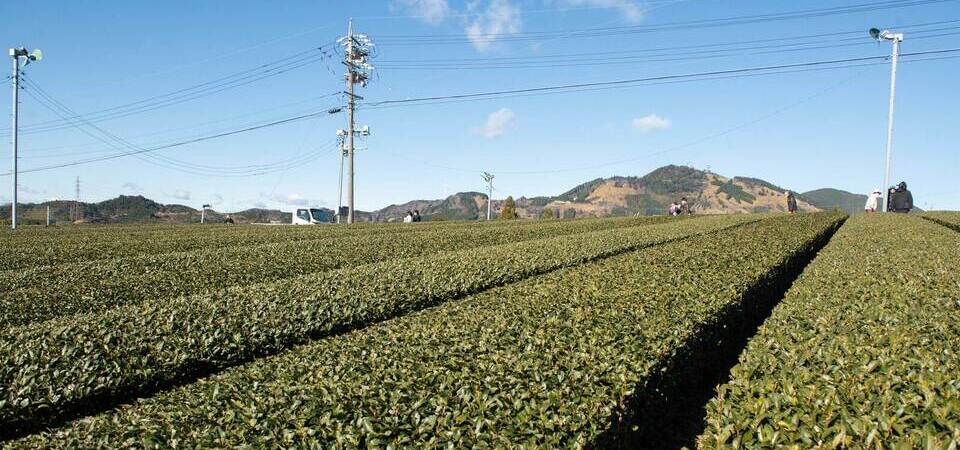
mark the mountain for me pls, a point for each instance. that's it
(134, 209)
(828, 198)
(706, 192)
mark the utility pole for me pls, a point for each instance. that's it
(357, 49)
(16, 102)
(488, 177)
(896, 38)
(16, 54)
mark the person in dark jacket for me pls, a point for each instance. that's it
(791, 202)
(899, 199)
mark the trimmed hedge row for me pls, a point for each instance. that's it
(42, 294)
(62, 366)
(949, 219)
(51, 248)
(548, 362)
(863, 352)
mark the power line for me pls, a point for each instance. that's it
(439, 39)
(661, 57)
(194, 92)
(175, 144)
(813, 65)
(654, 78)
(803, 39)
(678, 147)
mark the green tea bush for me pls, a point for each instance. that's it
(949, 219)
(30, 248)
(863, 352)
(57, 367)
(42, 294)
(548, 362)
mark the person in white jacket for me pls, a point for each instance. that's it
(873, 201)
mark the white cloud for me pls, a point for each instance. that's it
(498, 123)
(181, 194)
(651, 122)
(430, 11)
(499, 18)
(629, 9)
(132, 187)
(292, 199)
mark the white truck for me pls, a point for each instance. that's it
(311, 216)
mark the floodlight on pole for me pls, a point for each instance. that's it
(896, 38)
(16, 54)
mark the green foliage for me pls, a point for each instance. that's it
(736, 192)
(861, 353)
(43, 293)
(758, 182)
(949, 219)
(569, 213)
(548, 362)
(581, 192)
(509, 210)
(50, 367)
(827, 199)
(547, 214)
(674, 180)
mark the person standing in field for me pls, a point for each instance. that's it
(408, 218)
(684, 207)
(791, 202)
(873, 202)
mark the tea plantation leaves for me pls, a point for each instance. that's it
(30, 248)
(861, 353)
(545, 362)
(49, 368)
(42, 294)
(949, 219)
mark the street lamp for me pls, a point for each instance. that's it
(896, 38)
(16, 54)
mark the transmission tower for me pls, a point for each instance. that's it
(357, 50)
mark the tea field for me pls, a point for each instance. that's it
(740, 331)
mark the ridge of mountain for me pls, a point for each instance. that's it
(706, 192)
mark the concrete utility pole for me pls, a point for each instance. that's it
(351, 103)
(488, 177)
(896, 38)
(16, 94)
(16, 54)
(357, 49)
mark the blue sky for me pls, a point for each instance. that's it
(801, 130)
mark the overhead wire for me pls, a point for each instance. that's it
(136, 150)
(193, 92)
(116, 143)
(440, 39)
(652, 78)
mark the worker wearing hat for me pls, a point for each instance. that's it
(873, 201)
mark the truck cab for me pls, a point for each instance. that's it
(310, 216)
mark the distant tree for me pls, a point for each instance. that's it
(547, 214)
(569, 213)
(509, 210)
